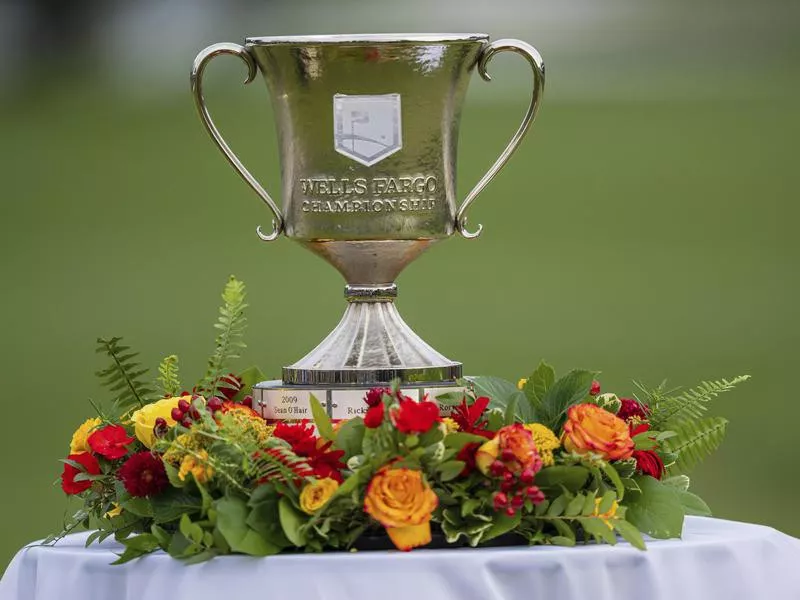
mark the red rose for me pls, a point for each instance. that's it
(89, 464)
(632, 408)
(649, 463)
(415, 417)
(375, 396)
(110, 441)
(374, 416)
(143, 475)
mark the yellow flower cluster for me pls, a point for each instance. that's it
(82, 433)
(546, 442)
(243, 425)
(184, 444)
(198, 465)
(450, 426)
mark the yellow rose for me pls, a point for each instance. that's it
(144, 419)
(316, 494)
(79, 443)
(402, 501)
(198, 465)
(590, 428)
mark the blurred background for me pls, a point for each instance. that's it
(646, 228)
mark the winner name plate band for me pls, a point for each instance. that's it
(367, 131)
(276, 401)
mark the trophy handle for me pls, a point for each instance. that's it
(535, 60)
(196, 78)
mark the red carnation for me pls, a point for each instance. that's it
(632, 408)
(649, 463)
(415, 417)
(90, 466)
(110, 441)
(300, 436)
(469, 417)
(143, 475)
(375, 396)
(374, 416)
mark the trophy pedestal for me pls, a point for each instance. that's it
(372, 346)
(278, 401)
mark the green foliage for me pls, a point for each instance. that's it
(565, 392)
(655, 509)
(168, 376)
(232, 517)
(667, 409)
(231, 325)
(321, 419)
(501, 392)
(694, 441)
(124, 377)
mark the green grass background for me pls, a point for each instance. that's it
(643, 238)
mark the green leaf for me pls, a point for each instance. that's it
(612, 474)
(689, 405)
(250, 376)
(575, 506)
(656, 510)
(510, 413)
(172, 503)
(137, 546)
(123, 376)
(291, 521)
(560, 540)
(693, 505)
(565, 392)
(501, 524)
(572, 477)
(598, 528)
(500, 392)
(460, 439)
(606, 502)
(350, 437)
(321, 419)
(557, 506)
(564, 529)
(232, 514)
(450, 470)
(140, 507)
(629, 533)
(537, 385)
(172, 475)
(264, 518)
(168, 379)
(680, 482)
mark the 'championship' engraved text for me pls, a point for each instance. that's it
(375, 195)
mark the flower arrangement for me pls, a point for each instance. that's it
(546, 461)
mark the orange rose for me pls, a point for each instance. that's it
(513, 447)
(590, 428)
(401, 501)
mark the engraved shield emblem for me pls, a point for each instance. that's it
(367, 128)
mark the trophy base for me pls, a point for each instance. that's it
(278, 401)
(372, 346)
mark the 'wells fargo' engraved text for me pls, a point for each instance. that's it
(375, 195)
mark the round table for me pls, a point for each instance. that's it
(715, 560)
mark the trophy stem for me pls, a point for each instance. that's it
(371, 345)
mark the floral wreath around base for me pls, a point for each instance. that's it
(546, 461)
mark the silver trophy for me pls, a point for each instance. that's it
(368, 133)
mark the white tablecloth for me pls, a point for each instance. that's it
(715, 560)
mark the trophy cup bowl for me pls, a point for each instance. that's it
(367, 128)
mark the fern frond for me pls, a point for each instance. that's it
(123, 377)
(168, 376)
(279, 462)
(691, 404)
(695, 440)
(231, 325)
